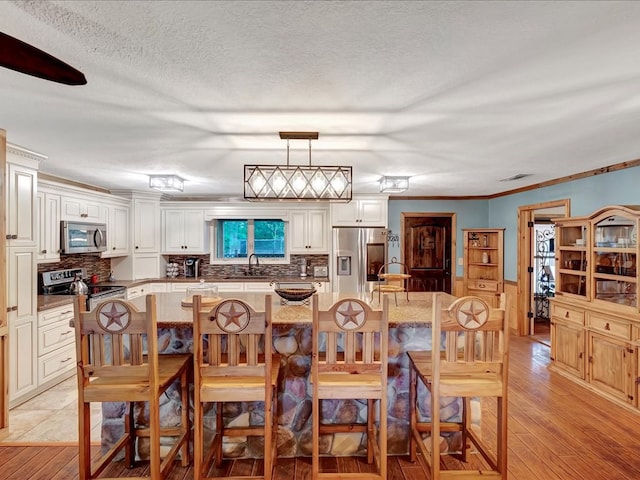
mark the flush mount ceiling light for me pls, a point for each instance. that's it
(297, 182)
(394, 184)
(166, 183)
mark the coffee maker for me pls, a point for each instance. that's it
(191, 267)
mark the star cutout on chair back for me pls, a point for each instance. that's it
(114, 317)
(352, 317)
(471, 313)
(232, 316)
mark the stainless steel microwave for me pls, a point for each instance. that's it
(81, 237)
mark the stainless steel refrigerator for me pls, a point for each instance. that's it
(358, 254)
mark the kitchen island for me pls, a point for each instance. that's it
(292, 338)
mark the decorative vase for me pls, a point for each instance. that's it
(485, 257)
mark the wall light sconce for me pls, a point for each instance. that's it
(297, 182)
(394, 184)
(166, 183)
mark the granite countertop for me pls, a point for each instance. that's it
(46, 302)
(171, 313)
(217, 279)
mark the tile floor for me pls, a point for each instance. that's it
(52, 416)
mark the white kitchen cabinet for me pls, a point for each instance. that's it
(138, 291)
(48, 215)
(222, 286)
(56, 346)
(117, 231)
(22, 319)
(309, 231)
(21, 224)
(184, 231)
(258, 287)
(360, 212)
(82, 209)
(146, 226)
(158, 287)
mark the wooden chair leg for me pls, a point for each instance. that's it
(84, 431)
(198, 436)
(154, 438)
(219, 432)
(268, 426)
(371, 418)
(130, 428)
(413, 417)
(315, 432)
(435, 434)
(466, 424)
(184, 384)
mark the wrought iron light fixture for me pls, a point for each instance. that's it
(166, 183)
(297, 182)
(394, 184)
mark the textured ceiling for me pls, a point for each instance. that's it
(457, 95)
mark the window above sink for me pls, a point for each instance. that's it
(235, 240)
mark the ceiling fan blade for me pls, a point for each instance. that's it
(22, 57)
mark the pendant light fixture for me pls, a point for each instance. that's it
(297, 182)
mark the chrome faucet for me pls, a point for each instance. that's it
(257, 263)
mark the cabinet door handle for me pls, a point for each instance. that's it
(607, 326)
(66, 360)
(566, 315)
(14, 308)
(13, 237)
(44, 251)
(580, 355)
(7, 236)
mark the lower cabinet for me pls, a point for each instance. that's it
(611, 364)
(56, 345)
(567, 347)
(597, 348)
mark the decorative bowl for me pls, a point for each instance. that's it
(295, 294)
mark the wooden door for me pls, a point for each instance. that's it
(427, 250)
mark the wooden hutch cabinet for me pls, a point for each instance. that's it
(595, 321)
(484, 263)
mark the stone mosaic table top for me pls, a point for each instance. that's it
(171, 313)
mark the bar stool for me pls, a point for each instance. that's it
(233, 362)
(392, 282)
(349, 361)
(468, 358)
(113, 366)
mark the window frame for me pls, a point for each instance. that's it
(215, 231)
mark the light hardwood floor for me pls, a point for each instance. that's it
(557, 431)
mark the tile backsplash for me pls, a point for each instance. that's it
(95, 265)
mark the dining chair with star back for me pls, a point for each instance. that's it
(233, 363)
(349, 362)
(468, 360)
(118, 361)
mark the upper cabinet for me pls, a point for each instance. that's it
(361, 212)
(81, 209)
(20, 204)
(596, 258)
(184, 231)
(572, 237)
(118, 243)
(146, 225)
(309, 231)
(613, 257)
(48, 214)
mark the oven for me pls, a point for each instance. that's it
(57, 282)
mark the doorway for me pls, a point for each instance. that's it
(427, 242)
(534, 265)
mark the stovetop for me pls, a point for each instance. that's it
(58, 282)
